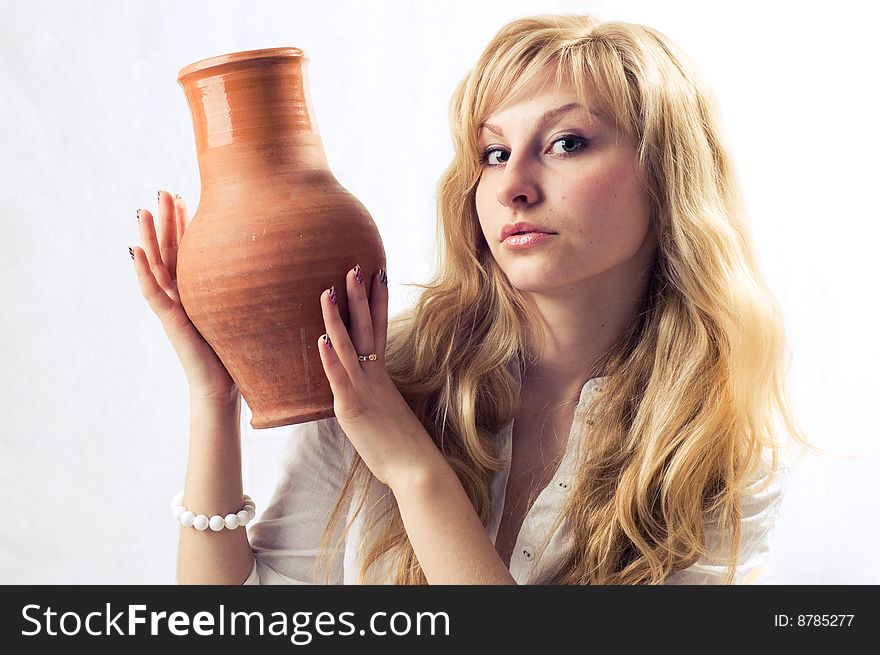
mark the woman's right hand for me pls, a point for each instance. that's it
(156, 268)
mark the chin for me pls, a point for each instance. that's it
(530, 283)
(532, 279)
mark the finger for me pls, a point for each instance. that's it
(379, 313)
(163, 306)
(337, 375)
(168, 233)
(339, 339)
(182, 217)
(151, 249)
(360, 320)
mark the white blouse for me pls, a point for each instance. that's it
(285, 538)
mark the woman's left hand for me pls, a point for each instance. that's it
(368, 406)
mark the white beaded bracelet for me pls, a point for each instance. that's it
(216, 522)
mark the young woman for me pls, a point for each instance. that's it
(588, 392)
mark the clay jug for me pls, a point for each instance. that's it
(273, 230)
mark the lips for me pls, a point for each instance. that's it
(522, 227)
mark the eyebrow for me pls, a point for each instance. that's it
(546, 117)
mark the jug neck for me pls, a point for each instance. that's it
(252, 116)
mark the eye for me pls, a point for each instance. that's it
(571, 144)
(570, 141)
(484, 160)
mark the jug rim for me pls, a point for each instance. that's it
(244, 55)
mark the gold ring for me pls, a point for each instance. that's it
(371, 357)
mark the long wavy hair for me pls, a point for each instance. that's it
(694, 393)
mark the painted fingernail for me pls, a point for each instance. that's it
(333, 295)
(138, 213)
(159, 195)
(327, 341)
(131, 252)
(383, 277)
(358, 274)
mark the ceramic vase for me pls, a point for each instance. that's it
(272, 231)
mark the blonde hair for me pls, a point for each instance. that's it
(693, 389)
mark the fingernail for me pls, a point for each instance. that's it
(327, 341)
(138, 212)
(358, 274)
(333, 295)
(159, 195)
(131, 252)
(383, 277)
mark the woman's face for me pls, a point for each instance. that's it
(571, 174)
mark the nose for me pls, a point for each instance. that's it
(517, 185)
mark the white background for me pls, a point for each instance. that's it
(92, 122)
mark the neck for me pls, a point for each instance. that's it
(581, 324)
(251, 119)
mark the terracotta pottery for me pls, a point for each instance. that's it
(272, 231)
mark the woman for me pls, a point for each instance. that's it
(586, 393)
